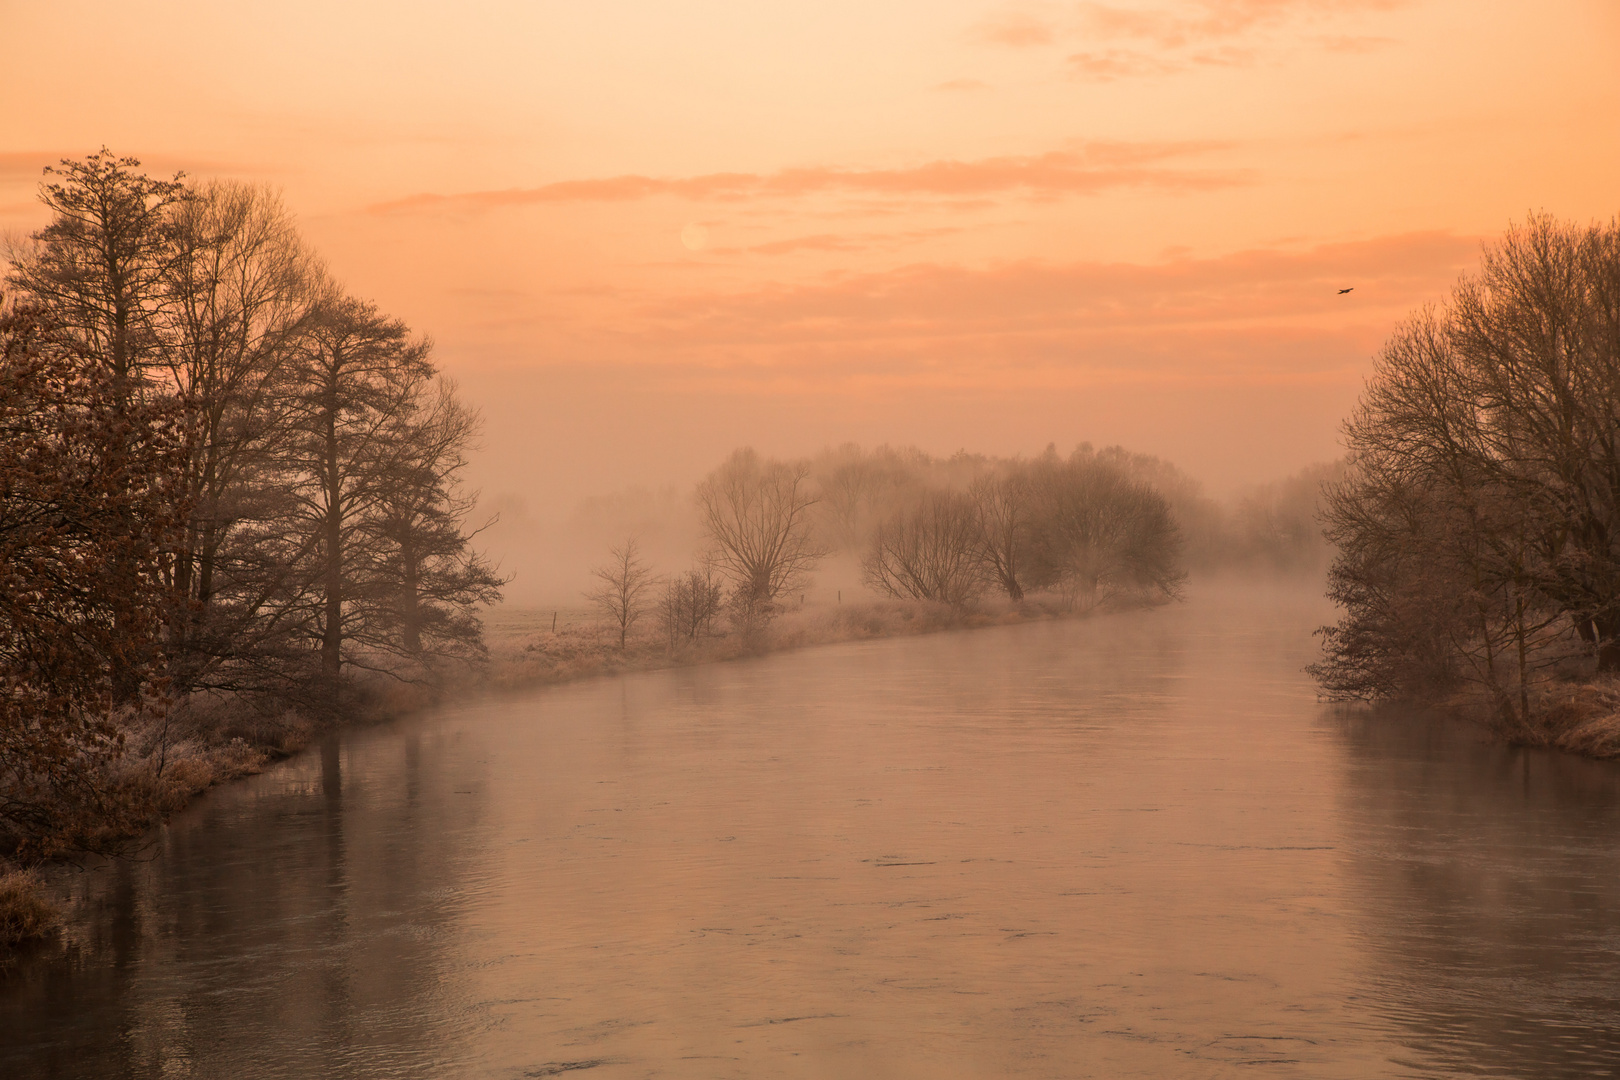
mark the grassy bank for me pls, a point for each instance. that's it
(1576, 716)
(580, 648)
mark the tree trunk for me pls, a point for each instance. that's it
(411, 630)
(1607, 632)
(332, 635)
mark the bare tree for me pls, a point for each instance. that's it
(1101, 537)
(357, 378)
(1485, 479)
(426, 581)
(626, 583)
(239, 299)
(930, 552)
(757, 517)
(1002, 506)
(690, 603)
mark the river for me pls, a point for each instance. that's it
(1134, 845)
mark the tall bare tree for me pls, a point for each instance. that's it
(427, 582)
(240, 298)
(357, 377)
(1485, 469)
(756, 515)
(1002, 506)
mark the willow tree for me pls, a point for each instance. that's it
(930, 551)
(756, 515)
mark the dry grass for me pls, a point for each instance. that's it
(583, 650)
(1578, 716)
(25, 914)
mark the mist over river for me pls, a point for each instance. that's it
(1134, 845)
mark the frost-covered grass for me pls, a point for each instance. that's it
(579, 648)
(1579, 716)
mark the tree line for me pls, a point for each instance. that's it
(1478, 526)
(222, 477)
(1082, 529)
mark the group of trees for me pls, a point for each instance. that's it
(1478, 527)
(220, 473)
(1082, 528)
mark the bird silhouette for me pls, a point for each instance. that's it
(1350, 289)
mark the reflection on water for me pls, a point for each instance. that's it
(1132, 846)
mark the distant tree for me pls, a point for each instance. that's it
(856, 489)
(929, 552)
(756, 515)
(624, 594)
(1278, 525)
(1099, 536)
(91, 501)
(690, 604)
(1002, 505)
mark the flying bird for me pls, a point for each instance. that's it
(1350, 289)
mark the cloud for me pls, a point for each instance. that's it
(1139, 321)
(839, 242)
(1165, 41)
(1015, 29)
(29, 165)
(960, 85)
(1106, 66)
(1095, 167)
(819, 242)
(1204, 21)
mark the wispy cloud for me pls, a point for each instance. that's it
(841, 242)
(26, 165)
(1200, 22)
(1141, 42)
(1095, 167)
(944, 311)
(961, 85)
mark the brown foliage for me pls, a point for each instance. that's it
(90, 505)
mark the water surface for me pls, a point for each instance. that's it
(1131, 846)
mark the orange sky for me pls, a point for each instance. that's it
(644, 232)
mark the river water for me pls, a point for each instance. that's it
(1129, 846)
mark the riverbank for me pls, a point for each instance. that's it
(586, 649)
(1579, 716)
